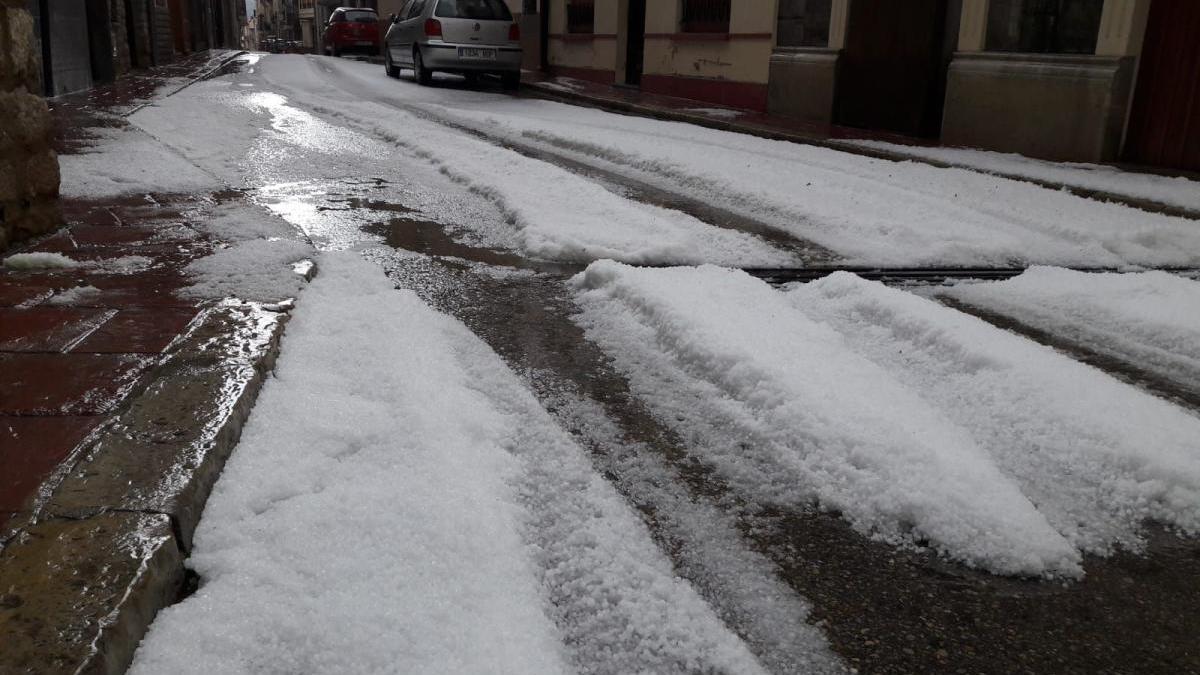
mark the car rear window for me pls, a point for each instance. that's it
(474, 9)
(362, 16)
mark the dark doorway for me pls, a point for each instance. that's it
(100, 41)
(135, 57)
(219, 25)
(1164, 123)
(892, 72)
(41, 31)
(544, 34)
(178, 33)
(151, 43)
(635, 45)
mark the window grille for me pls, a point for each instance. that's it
(705, 16)
(581, 16)
(1044, 26)
(804, 23)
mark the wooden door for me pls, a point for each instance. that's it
(635, 42)
(891, 74)
(178, 29)
(1164, 123)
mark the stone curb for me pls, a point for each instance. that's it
(77, 595)
(540, 90)
(80, 585)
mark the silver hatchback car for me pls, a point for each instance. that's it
(469, 37)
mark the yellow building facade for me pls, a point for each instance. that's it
(1082, 80)
(653, 45)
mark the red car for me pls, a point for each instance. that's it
(352, 29)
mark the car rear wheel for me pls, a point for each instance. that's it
(423, 75)
(333, 51)
(391, 68)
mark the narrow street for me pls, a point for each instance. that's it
(530, 414)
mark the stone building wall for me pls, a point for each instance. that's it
(29, 175)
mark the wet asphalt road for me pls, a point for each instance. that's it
(883, 610)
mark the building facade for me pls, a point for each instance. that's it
(87, 42)
(1080, 80)
(278, 20)
(308, 24)
(716, 51)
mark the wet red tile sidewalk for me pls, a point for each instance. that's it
(76, 342)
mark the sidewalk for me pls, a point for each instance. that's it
(1076, 179)
(119, 401)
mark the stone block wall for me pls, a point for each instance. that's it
(29, 177)
(1052, 106)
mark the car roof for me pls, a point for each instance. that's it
(356, 9)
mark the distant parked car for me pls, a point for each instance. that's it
(352, 29)
(469, 37)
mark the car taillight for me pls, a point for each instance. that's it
(433, 28)
(514, 32)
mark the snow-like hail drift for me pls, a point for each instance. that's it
(400, 503)
(916, 422)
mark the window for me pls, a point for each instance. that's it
(479, 10)
(414, 10)
(581, 16)
(705, 16)
(361, 16)
(1044, 26)
(804, 23)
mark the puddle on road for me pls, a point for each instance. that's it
(351, 203)
(433, 239)
(340, 214)
(333, 214)
(430, 238)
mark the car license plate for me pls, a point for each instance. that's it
(477, 53)
(363, 43)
